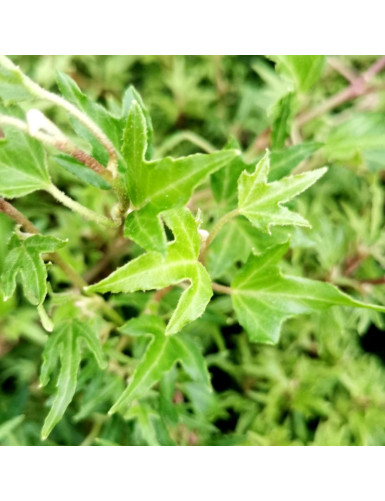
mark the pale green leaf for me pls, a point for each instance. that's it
(23, 166)
(65, 345)
(162, 353)
(304, 71)
(264, 298)
(24, 262)
(160, 185)
(261, 202)
(155, 270)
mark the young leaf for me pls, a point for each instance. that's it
(264, 298)
(155, 270)
(157, 186)
(303, 70)
(161, 355)
(23, 167)
(24, 262)
(261, 202)
(65, 344)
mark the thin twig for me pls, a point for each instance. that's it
(359, 87)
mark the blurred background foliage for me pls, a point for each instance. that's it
(324, 383)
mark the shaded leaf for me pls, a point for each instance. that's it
(282, 118)
(284, 161)
(82, 172)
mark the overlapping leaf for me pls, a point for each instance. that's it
(161, 355)
(24, 262)
(261, 202)
(155, 270)
(157, 186)
(65, 345)
(264, 298)
(303, 70)
(23, 167)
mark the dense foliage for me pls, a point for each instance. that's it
(192, 250)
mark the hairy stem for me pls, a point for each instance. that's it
(41, 93)
(80, 209)
(56, 258)
(61, 143)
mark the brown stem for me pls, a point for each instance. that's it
(358, 87)
(17, 216)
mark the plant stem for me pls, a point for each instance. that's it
(186, 135)
(61, 143)
(222, 289)
(358, 87)
(41, 93)
(216, 229)
(56, 258)
(80, 209)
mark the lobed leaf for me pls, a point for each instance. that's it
(158, 186)
(264, 298)
(24, 262)
(23, 167)
(155, 270)
(65, 345)
(161, 355)
(261, 202)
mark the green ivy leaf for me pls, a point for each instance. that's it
(65, 344)
(161, 355)
(12, 89)
(264, 298)
(24, 262)
(155, 270)
(82, 172)
(157, 186)
(261, 202)
(284, 161)
(236, 241)
(111, 125)
(23, 166)
(282, 118)
(303, 70)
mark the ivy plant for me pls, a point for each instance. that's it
(153, 250)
